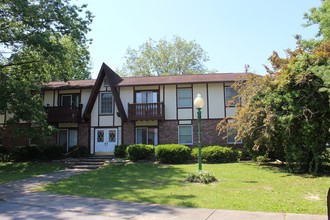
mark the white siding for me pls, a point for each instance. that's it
(170, 102)
(95, 112)
(184, 113)
(106, 121)
(201, 89)
(48, 98)
(126, 96)
(216, 100)
(85, 94)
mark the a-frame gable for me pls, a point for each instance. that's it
(113, 80)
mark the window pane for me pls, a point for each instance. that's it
(106, 103)
(141, 135)
(112, 135)
(66, 100)
(62, 138)
(153, 136)
(185, 97)
(100, 136)
(185, 134)
(75, 100)
(230, 93)
(73, 138)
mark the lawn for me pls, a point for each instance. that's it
(241, 186)
(10, 171)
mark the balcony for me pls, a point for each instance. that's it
(146, 111)
(63, 114)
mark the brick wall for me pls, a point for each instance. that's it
(14, 135)
(209, 133)
(128, 133)
(83, 134)
(168, 132)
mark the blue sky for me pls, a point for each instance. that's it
(233, 33)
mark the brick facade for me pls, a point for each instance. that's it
(14, 135)
(83, 134)
(209, 133)
(168, 132)
(128, 133)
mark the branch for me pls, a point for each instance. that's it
(17, 64)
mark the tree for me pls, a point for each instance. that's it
(285, 114)
(40, 41)
(177, 57)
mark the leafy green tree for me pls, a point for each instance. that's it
(286, 114)
(40, 41)
(175, 57)
(320, 16)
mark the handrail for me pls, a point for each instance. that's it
(70, 152)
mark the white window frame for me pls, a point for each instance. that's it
(190, 98)
(192, 134)
(111, 107)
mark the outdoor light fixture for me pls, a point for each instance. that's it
(199, 104)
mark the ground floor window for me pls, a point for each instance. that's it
(231, 135)
(67, 137)
(147, 135)
(185, 134)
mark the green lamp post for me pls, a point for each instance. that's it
(199, 104)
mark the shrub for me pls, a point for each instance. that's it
(201, 177)
(78, 151)
(26, 153)
(136, 152)
(172, 153)
(53, 152)
(4, 154)
(216, 154)
(120, 150)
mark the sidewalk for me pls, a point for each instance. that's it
(18, 201)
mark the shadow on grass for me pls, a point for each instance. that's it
(136, 182)
(11, 171)
(282, 168)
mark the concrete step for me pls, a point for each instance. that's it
(101, 163)
(84, 166)
(92, 160)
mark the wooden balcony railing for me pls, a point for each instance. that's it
(146, 111)
(63, 113)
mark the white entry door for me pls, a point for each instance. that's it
(105, 139)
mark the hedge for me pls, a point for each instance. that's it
(172, 153)
(120, 150)
(216, 154)
(136, 152)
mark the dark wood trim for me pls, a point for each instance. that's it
(224, 99)
(177, 103)
(54, 98)
(192, 102)
(207, 101)
(113, 80)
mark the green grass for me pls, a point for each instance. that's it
(10, 171)
(241, 186)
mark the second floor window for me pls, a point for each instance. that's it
(231, 98)
(70, 100)
(184, 98)
(106, 103)
(146, 97)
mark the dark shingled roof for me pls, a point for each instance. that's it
(151, 80)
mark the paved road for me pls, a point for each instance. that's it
(19, 201)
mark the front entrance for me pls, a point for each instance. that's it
(105, 140)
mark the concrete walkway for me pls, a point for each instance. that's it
(19, 201)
